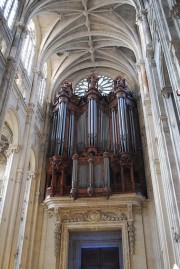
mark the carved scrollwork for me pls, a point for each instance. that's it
(57, 238)
(131, 234)
(95, 216)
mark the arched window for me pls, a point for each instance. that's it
(9, 9)
(42, 85)
(28, 49)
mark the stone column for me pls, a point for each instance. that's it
(10, 70)
(24, 167)
(8, 209)
(24, 224)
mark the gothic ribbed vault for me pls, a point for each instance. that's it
(80, 36)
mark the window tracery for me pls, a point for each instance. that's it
(42, 85)
(9, 10)
(105, 85)
(28, 49)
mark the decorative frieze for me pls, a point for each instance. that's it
(95, 216)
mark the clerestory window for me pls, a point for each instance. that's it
(9, 10)
(28, 49)
(42, 85)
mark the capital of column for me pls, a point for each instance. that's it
(32, 175)
(10, 63)
(143, 12)
(176, 11)
(140, 64)
(141, 15)
(13, 149)
(38, 72)
(21, 26)
(166, 92)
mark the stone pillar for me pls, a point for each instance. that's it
(24, 224)
(8, 208)
(10, 70)
(23, 167)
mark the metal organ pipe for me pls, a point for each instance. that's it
(72, 133)
(95, 122)
(63, 127)
(114, 130)
(91, 125)
(69, 137)
(92, 122)
(73, 192)
(53, 134)
(123, 125)
(132, 128)
(59, 126)
(106, 170)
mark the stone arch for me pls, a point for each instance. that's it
(12, 119)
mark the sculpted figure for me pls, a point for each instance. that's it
(92, 81)
(119, 82)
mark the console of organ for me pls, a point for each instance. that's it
(95, 146)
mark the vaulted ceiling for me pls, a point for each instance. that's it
(78, 37)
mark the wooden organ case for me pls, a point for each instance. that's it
(95, 145)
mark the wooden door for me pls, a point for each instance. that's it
(100, 258)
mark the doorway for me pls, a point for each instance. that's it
(100, 258)
(95, 250)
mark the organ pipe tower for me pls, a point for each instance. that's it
(95, 147)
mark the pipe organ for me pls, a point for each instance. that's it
(95, 146)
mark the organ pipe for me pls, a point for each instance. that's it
(132, 128)
(86, 132)
(74, 191)
(122, 113)
(114, 131)
(92, 122)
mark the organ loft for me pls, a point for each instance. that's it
(95, 146)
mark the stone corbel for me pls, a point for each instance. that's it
(166, 92)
